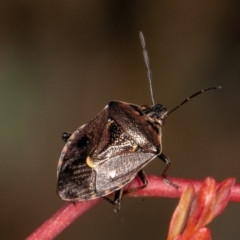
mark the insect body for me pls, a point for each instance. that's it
(102, 156)
(108, 152)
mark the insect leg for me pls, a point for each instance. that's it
(65, 136)
(119, 193)
(167, 161)
(116, 200)
(144, 181)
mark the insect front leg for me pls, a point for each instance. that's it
(119, 193)
(65, 136)
(144, 181)
(116, 200)
(167, 161)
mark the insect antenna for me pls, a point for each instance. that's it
(192, 96)
(147, 63)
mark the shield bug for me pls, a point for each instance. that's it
(105, 154)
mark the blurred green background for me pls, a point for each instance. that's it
(61, 62)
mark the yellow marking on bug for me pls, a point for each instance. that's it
(135, 147)
(89, 162)
(110, 122)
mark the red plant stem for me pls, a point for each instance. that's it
(156, 188)
(61, 220)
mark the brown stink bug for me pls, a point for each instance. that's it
(105, 154)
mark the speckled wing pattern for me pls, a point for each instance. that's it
(107, 153)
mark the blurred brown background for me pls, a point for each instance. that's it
(61, 62)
